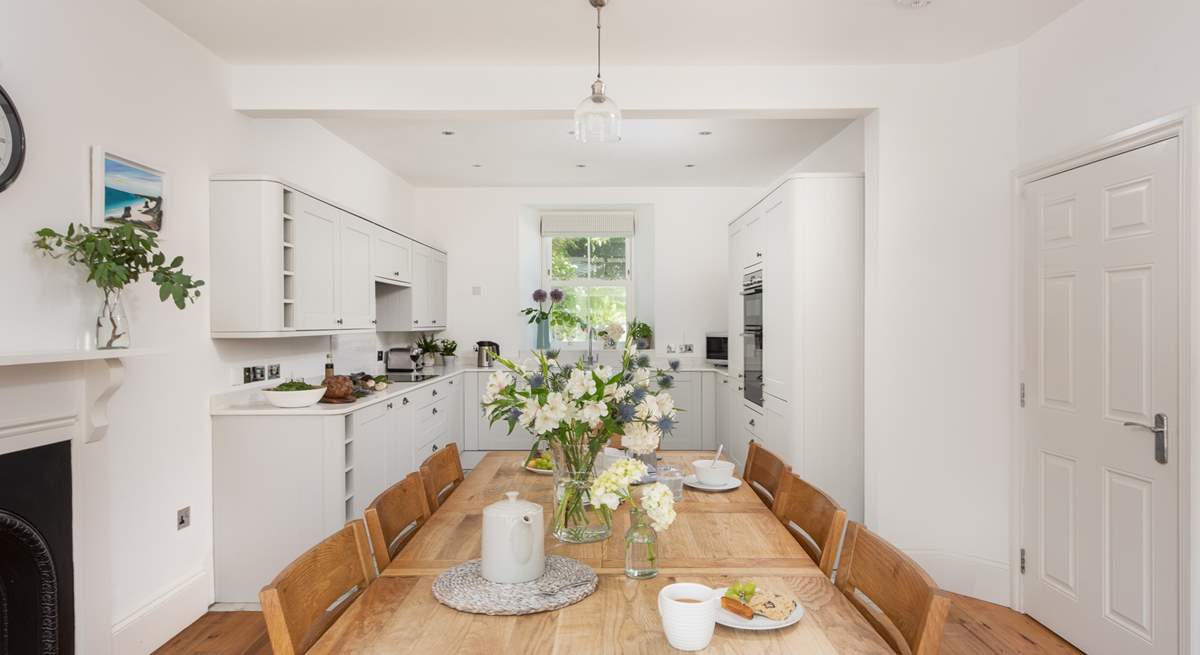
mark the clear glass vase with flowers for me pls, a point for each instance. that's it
(575, 411)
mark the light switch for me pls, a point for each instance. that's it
(476, 291)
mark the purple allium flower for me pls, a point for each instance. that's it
(643, 361)
(666, 381)
(556, 295)
(537, 381)
(674, 364)
(539, 295)
(639, 395)
(625, 412)
(514, 414)
(627, 377)
(666, 424)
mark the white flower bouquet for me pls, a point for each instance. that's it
(575, 410)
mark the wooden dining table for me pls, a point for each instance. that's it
(717, 538)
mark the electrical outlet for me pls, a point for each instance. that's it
(273, 372)
(686, 348)
(670, 349)
(247, 375)
(379, 355)
(476, 291)
(183, 518)
(259, 374)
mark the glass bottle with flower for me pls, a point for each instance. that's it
(653, 513)
(575, 410)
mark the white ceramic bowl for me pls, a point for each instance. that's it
(294, 399)
(713, 475)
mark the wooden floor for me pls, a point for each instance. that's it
(974, 627)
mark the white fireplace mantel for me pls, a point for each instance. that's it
(53, 396)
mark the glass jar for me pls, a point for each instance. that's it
(576, 520)
(112, 325)
(672, 477)
(641, 546)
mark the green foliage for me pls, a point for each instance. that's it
(449, 347)
(118, 256)
(639, 330)
(427, 344)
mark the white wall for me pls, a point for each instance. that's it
(491, 244)
(845, 152)
(113, 73)
(1103, 67)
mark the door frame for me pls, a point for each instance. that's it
(1181, 125)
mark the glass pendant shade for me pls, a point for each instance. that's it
(597, 118)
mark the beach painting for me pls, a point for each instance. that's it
(124, 191)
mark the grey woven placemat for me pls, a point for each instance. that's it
(565, 582)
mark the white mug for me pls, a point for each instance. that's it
(688, 625)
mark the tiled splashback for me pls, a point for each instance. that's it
(360, 352)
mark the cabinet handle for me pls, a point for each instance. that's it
(397, 273)
(435, 392)
(758, 254)
(414, 321)
(404, 401)
(435, 411)
(339, 321)
(452, 382)
(374, 322)
(751, 421)
(435, 320)
(389, 405)
(435, 447)
(739, 388)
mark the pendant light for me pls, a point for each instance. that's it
(597, 118)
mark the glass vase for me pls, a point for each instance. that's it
(112, 325)
(543, 335)
(641, 546)
(576, 520)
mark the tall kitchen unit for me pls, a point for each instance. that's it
(796, 313)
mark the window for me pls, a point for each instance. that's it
(589, 257)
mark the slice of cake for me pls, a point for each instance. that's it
(776, 607)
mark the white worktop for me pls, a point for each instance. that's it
(250, 402)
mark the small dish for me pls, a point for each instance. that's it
(694, 483)
(294, 399)
(731, 620)
(539, 471)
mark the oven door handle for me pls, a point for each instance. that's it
(751, 292)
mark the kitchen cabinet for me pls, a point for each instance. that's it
(367, 438)
(392, 256)
(399, 440)
(356, 300)
(811, 232)
(754, 244)
(689, 426)
(286, 263)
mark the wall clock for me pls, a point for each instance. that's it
(12, 141)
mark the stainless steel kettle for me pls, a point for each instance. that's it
(485, 353)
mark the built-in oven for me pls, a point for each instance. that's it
(752, 335)
(716, 348)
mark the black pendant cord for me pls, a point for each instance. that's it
(597, 43)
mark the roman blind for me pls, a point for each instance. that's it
(576, 224)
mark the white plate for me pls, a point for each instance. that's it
(692, 482)
(539, 471)
(729, 619)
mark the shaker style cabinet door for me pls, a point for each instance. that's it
(317, 254)
(357, 281)
(392, 256)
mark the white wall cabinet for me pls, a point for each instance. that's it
(810, 233)
(286, 263)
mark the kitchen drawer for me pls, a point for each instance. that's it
(431, 394)
(423, 453)
(753, 422)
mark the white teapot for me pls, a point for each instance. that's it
(513, 541)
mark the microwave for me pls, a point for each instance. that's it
(716, 348)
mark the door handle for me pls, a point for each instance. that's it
(1160, 435)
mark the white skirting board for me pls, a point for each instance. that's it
(967, 575)
(151, 625)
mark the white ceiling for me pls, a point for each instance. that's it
(653, 152)
(637, 32)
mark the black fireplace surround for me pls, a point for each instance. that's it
(37, 604)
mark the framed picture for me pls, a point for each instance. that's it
(125, 191)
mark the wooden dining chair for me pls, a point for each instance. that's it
(764, 472)
(815, 520)
(306, 598)
(442, 473)
(394, 517)
(905, 607)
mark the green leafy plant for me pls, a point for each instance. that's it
(118, 256)
(449, 347)
(428, 345)
(640, 333)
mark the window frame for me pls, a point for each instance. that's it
(547, 255)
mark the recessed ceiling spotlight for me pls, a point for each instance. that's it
(447, 132)
(914, 4)
(580, 165)
(476, 165)
(571, 132)
(689, 165)
(705, 133)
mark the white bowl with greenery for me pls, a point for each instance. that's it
(294, 394)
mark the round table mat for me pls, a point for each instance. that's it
(464, 588)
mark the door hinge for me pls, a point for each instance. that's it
(1022, 394)
(1022, 561)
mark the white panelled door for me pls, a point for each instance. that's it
(1102, 349)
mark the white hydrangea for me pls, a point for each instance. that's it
(640, 438)
(581, 383)
(659, 505)
(611, 486)
(628, 470)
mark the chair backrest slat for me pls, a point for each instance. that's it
(906, 608)
(765, 472)
(442, 473)
(815, 520)
(394, 517)
(306, 598)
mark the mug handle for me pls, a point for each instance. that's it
(527, 523)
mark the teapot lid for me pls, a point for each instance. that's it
(512, 506)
